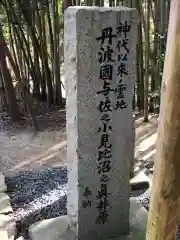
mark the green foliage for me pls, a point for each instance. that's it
(34, 29)
(60, 9)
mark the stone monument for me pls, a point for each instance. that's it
(100, 63)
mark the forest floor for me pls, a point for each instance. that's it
(34, 165)
(22, 149)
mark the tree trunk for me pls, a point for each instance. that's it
(165, 199)
(140, 67)
(7, 80)
(146, 79)
(67, 3)
(3, 102)
(56, 57)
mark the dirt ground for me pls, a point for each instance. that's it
(21, 150)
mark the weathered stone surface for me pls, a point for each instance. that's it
(141, 178)
(127, 237)
(100, 134)
(8, 225)
(20, 238)
(5, 205)
(138, 220)
(60, 228)
(3, 235)
(13, 138)
(3, 187)
(52, 229)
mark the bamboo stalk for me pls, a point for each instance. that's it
(146, 78)
(165, 199)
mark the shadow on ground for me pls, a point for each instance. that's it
(47, 119)
(54, 156)
(145, 146)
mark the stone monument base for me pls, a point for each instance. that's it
(60, 228)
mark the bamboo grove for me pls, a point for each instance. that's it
(31, 42)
